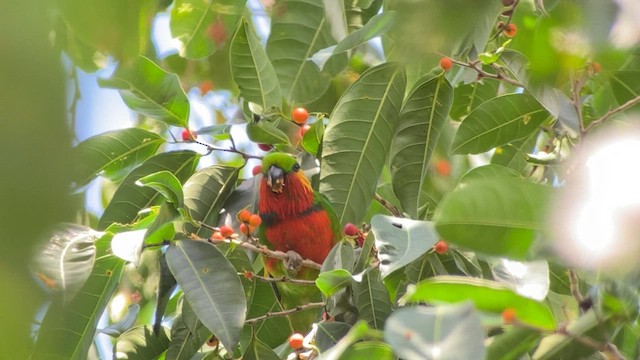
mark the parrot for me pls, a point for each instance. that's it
(300, 222)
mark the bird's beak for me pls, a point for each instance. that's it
(275, 179)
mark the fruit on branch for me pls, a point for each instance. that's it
(446, 63)
(295, 341)
(300, 222)
(596, 67)
(255, 220)
(217, 235)
(188, 135)
(299, 115)
(509, 316)
(441, 247)
(256, 170)
(510, 30)
(244, 215)
(226, 231)
(303, 130)
(350, 229)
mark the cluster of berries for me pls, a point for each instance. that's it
(248, 223)
(354, 232)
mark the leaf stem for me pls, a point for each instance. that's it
(296, 309)
(473, 65)
(250, 275)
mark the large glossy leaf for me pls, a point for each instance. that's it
(166, 184)
(376, 26)
(273, 331)
(513, 344)
(469, 96)
(257, 350)
(494, 216)
(372, 299)
(400, 241)
(552, 99)
(358, 138)
(625, 85)
(67, 331)
(64, 263)
(202, 27)
(212, 287)
(166, 286)
(187, 335)
(151, 91)
(141, 343)
(423, 115)
(498, 121)
(113, 154)
(487, 295)
(206, 192)
(329, 333)
(514, 154)
(128, 320)
(491, 171)
(298, 30)
(331, 281)
(130, 198)
(442, 332)
(252, 70)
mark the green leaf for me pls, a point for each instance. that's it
(116, 329)
(358, 138)
(469, 96)
(497, 122)
(376, 26)
(329, 333)
(514, 154)
(372, 299)
(163, 228)
(212, 287)
(331, 281)
(494, 216)
(491, 171)
(206, 192)
(448, 331)
(423, 115)
(64, 263)
(151, 91)
(355, 334)
(298, 30)
(266, 132)
(341, 256)
(130, 198)
(257, 350)
(141, 343)
(113, 154)
(67, 331)
(486, 295)
(166, 184)
(188, 334)
(217, 131)
(625, 85)
(166, 285)
(313, 138)
(366, 350)
(202, 27)
(513, 344)
(252, 70)
(427, 266)
(400, 241)
(272, 331)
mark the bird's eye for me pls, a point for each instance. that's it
(295, 167)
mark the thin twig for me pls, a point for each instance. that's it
(513, 10)
(232, 149)
(250, 275)
(285, 312)
(389, 206)
(612, 112)
(576, 87)
(574, 285)
(484, 74)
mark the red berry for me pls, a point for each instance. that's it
(256, 170)
(244, 215)
(299, 115)
(255, 220)
(217, 32)
(443, 167)
(596, 67)
(245, 229)
(350, 230)
(510, 30)
(205, 87)
(360, 240)
(264, 147)
(295, 341)
(217, 236)
(509, 316)
(441, 247)
(226, 231)
(446, 63)
(188, 135)
(303, 130)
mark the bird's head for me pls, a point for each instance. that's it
(276, 168)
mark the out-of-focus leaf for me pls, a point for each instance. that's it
(513, 344)
(212, 287)
(125, 324)
(67, 331)
(497, 122)
(491, 171)
(206, 192)
(130, 198)
(469, 96)
(357, 332)
(127, 245)
(257, 350)
(331, 281)
(166, 184)
(530, 279)
(514, 154)
(366, 350)
(625, 86)
(372, 299)
(64, 263)
(423, 115)
(486, 295)
(166, 285)
(141, 343)
(218, 131)
(400, 241)
(151, 91)
(454, 331)
(252, 70)
(494, 216)
(113, 154)
(368, 112)
(202, 27)
(376, 26)
(299, 29)
(329, 333)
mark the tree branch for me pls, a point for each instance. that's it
(387, 205)
(285, 312)
(612, 112)
(484, 74)
(250, 275)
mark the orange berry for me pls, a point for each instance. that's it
(205, 87)
(245, 229)
(256, 170)
(446, 63)
(244, 215)
(510, 30)
(443, 167)
(299, 115)
(255, 220)
(303, 130)
(596, 67)
(226, 231)
(188, 135)
(217, 236)
(441, 247)
(509, 316)
(295, 341)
